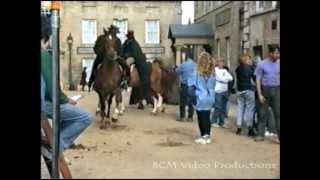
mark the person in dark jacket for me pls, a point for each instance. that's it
(246, 96)
(83, 81)
(131, 48)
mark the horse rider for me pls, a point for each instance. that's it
(100, 54)
(131, 48)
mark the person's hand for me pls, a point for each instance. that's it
(261, 99)
(71, 101)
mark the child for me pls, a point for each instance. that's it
(205, 95)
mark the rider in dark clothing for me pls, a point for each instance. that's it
(131, 48)
(99, 51)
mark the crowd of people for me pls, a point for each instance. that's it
(206, 85)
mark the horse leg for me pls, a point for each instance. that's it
(155, 107)
(160, 103)
(102, 111)
(98, 108)
(109, 107)
(123, 107)
(116, 113)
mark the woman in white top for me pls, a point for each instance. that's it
(221, 93)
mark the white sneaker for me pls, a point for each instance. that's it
(273, 134)
(200, 140)
(207, 139)
(215, 125)
(267, 133)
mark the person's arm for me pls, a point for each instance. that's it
(224, 77)
(259, 74)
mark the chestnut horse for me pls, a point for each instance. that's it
(161, 83)
(108, 78)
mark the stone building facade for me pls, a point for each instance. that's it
(264, 28)
(224, 18)
(85, 20)
(240, 27)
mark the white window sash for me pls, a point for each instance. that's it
(123, 28)
(152, 32)
(274, 4)
(89, 31)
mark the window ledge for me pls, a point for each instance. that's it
(264, 12)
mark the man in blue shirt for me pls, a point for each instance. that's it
(186, 73)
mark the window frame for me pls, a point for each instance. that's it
(126, 28)
(83, 38)
(260, 8)
(274, 4)
(147, 40)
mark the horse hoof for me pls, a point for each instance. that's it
(163, 110)
(103, 126)
(154, 113)
(114, 120)
(121, 114)
(97, 112)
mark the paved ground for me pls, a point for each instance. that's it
(145, 146)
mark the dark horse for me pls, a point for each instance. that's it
(108, 78)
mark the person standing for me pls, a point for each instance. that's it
(231, 90)
(268, 89)
(246, 96)
(185, 72)
(205, 95)
(83, 81)
(223, 77)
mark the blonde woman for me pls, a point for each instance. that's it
(205, 95)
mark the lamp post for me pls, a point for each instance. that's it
(70, 42)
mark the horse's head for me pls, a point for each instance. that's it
(109, 44)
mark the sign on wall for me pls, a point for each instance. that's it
(153, 50)
(85, 50)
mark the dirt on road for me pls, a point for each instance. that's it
(140, 145)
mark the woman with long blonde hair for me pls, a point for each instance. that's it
(205, 96)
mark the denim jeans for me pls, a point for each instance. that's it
(219, 113)
(73, 121)
(246, 108)
(185, 100)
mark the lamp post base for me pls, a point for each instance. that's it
(72, 87)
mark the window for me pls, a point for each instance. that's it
(89, 31)
(152, 35)
(122, 24)
(274, 24)
(274, 4)
(219, 3)
(260, 6)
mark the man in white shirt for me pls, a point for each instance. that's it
(221, 90)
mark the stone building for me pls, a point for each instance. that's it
(224, 19)
(240, 27)
(264, 27)
(85, 20)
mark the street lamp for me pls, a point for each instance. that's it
(70, 42)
